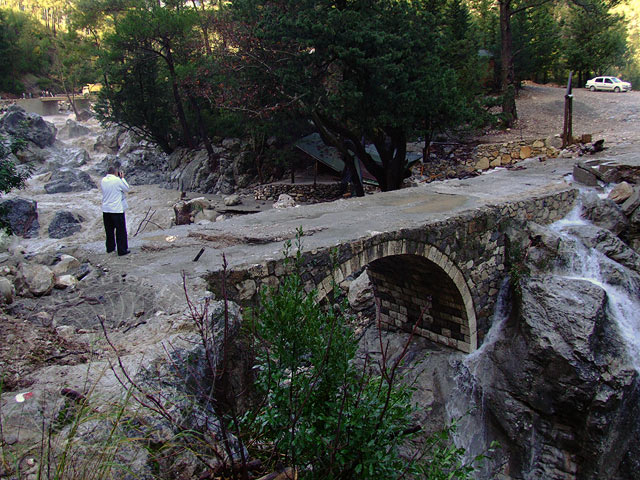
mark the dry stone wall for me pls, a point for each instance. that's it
(502, 154)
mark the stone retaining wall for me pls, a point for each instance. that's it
(501, 154)
(464, 256)
(299, 192)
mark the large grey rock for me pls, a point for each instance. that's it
(107, 142)
(69, 180)
(30, 126)
(284, 201)
(7, 291)
(360, 294)
(73, 129)
(620, 192)
(607, 243)
(560, 387)
(604, 213)
(584, 175)
(64, 224)
(84, 115)
(34, 279)
(22, 216)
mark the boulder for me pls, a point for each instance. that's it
(34, 279)
(560, 386)
(360, 294)
(232, 200)
(65, 264)
(107, 142)
(65, 281)
(284, 201)
(73, 129)
(604, 213)
(68, 180)
(64, 224)
(7, 291)
(21, 215)
(84, 115)
(631, 203)
(584, 175)
(608, 244)
(620, 192)
(30, 126)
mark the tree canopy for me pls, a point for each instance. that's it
(362, 71)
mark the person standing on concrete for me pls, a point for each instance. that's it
(114, 186)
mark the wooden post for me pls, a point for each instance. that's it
(567, 131)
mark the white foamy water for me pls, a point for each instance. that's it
(587, 264)
(88, 204)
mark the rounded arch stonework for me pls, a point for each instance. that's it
(411, 277)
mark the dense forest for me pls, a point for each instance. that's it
(363, 72)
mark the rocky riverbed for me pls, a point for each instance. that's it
(564, 406)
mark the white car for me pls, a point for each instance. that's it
(613, 84)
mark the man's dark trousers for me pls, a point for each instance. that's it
(115, 223)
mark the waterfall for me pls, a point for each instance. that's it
(588, 264)
(466, 405)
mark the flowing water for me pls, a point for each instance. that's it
(466, 401)
(585, 263)
(88, 204)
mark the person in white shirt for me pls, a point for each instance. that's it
(114, 186)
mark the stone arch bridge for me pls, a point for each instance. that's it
(444, 275)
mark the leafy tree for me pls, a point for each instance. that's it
(72, 65)
(594, 43)
(509, 9)
(24, 47)
(537, 45)
(365, 72)
(147, 61)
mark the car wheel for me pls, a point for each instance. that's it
(592, 88)
(617, 89)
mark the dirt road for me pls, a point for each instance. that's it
(612, 116)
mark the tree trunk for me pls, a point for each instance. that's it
(177, 98)
(213, 159)
(507, 76)
(355, 178)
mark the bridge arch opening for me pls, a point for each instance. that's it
(411, 289)
(416, 282)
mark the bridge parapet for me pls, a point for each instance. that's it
(444, 275)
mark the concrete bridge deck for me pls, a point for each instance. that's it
(436, 250)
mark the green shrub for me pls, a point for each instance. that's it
(325, 414)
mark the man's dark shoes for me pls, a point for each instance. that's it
(126, 252)
(111, 251)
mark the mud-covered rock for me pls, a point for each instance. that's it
(69, 180)
(65, 224)
(73, 129)
(30, 126)
(7, 291)
(34, 279)
(21, 215)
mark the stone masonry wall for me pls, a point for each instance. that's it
(501, 154)
(469, 248)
